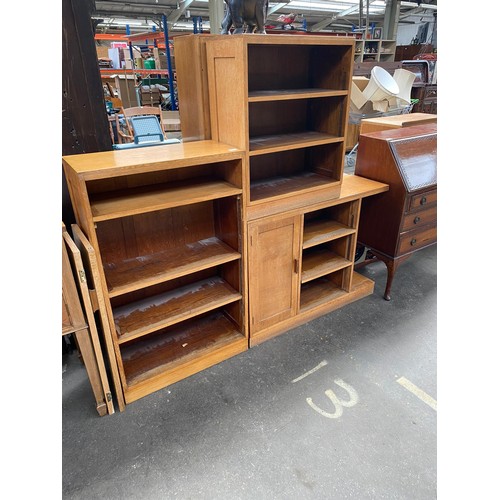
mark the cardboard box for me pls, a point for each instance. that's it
(102, 51)
(171, 121)
(150, 96)
(359, 103)
(161, 59)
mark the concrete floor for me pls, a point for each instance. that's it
(248, 429)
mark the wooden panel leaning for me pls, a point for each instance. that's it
(78, 318)
(166, 226)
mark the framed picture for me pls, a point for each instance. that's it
(377, 33)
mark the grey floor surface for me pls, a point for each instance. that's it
(318, 412)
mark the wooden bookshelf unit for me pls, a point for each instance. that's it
(284, 101)
(165, 222)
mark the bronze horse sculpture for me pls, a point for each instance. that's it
(252, 13)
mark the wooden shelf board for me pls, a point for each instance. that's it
(140, 272)
(321, 231)
(318, 292)
(160, 311)
(323, 291)
(277, 187)
(177, 348)
(360, 287)
(147, 199)
(319, 262)
(283, 94)
(283, 142)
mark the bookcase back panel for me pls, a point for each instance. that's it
(327, 115)
(297, 115)
(166, 286)
(331, 66)
(282, 67)
(277, 117)
(154, 232)
(340, 213)
(228, 170)
(325, 160)
(264, 61)
(227, 213)
(277, 164)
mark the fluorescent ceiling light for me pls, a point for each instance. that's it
(422, 5)
(122, 22)
(331, 6)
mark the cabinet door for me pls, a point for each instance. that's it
(274, 272)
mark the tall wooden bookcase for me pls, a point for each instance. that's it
(284, 101)
(165, 223)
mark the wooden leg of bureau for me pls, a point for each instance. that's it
(391, 264)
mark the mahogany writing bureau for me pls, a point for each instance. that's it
(402, 220)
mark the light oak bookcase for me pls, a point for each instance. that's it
(284, 100)
(165, 223)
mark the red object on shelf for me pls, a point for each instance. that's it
(108, 36)
(113, 71)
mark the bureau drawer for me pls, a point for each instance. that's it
(419, 219)
(422, 200)
(413, 240)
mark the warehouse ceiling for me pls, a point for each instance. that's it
(309, 15)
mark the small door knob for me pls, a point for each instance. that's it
(423, 201)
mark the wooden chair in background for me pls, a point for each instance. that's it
(141, 126)
(125, 129)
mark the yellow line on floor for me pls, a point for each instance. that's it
(418, 392)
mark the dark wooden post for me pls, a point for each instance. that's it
(85, 127)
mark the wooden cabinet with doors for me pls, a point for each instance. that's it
(165, 222)
(301, 262)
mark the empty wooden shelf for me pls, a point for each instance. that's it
(166, 223)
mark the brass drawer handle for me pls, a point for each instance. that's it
(423, 201)
(416, 220)
(413, 241)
